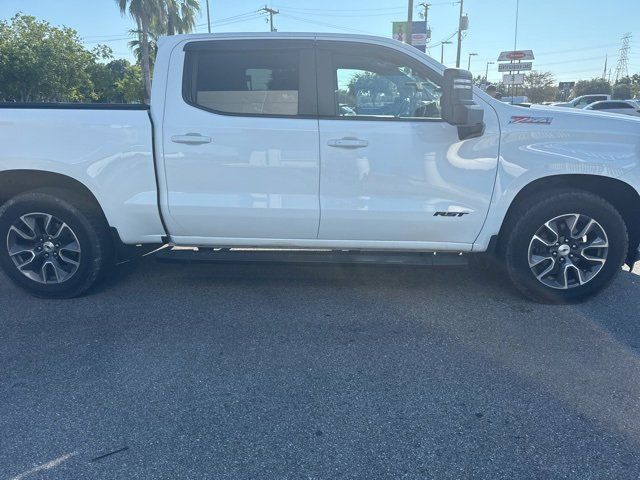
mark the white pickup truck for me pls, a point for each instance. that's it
(317, 141)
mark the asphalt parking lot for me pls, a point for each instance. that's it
(270, 372)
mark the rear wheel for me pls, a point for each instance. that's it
(564, 246)
(51, 248)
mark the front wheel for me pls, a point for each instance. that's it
(565, 246)
(50, 247)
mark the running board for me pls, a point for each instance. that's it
(225, 255)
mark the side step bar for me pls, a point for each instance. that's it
(225, 255)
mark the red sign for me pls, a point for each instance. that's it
(516, 55)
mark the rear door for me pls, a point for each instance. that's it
(240, 141)
(391, 169)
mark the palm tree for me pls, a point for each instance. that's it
(155, 31)
(181, 15)
(144, 12)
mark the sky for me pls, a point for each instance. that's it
(569, 37)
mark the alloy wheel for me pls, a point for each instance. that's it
(568, 251)
(44, 248)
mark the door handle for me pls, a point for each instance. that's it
(348, 142)
(191, 139)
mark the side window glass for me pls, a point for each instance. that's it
(383, 88)
(264, 82)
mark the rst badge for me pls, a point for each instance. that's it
(450, 214)
(531, 120)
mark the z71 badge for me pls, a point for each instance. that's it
(531, 120)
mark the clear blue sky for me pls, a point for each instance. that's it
(569, 37)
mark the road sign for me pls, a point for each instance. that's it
(566, 85)
(516, 55)
(513, 79)
(515, 67)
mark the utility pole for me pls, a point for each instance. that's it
(426, 20)
(486, 73)
(446, 42)
(409, 35)
(459, 34)
(208, 16)
(604, 73)
(469, 63)
(271, 12)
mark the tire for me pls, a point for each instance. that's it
(541, 228)
(75, 241)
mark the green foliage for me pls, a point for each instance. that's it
(40, 62)
(621, 91)
(117, 81)
(594, 86)
(43, 63)
(371, 85)
(540, 86)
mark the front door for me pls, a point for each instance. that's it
(240, 140)
(391, 169)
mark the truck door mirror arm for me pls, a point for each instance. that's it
(458, 107)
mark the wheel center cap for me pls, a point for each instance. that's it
(564, 250)
(50, 247)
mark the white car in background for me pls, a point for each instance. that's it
(583, 100)
(624, 107)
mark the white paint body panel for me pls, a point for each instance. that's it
(108, 151)
(392, 189)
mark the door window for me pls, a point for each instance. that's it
(380, 84)
(259, 82)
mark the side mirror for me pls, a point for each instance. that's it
(458, 107)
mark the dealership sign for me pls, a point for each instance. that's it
(515, 67)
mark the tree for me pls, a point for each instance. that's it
(539, 86)
(372, 85)
(144, 12)
(622, 89)
(635, 85)
(40, 62)
(181, 15)
(588, 87)
(155, 31)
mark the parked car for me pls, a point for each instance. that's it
(623, 107)
(583, 101)
(251, 141)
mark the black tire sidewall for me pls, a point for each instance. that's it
(518, 245)
(92, 253)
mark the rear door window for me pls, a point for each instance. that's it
(252, 81)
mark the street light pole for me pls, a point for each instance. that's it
(208, 16)
(409, 34)
(442, 50)
(469, 63)
(486, 73)
(459, 33)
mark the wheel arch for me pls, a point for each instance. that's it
(15, 182)
(617, 192)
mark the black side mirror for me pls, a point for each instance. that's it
(458, 107)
